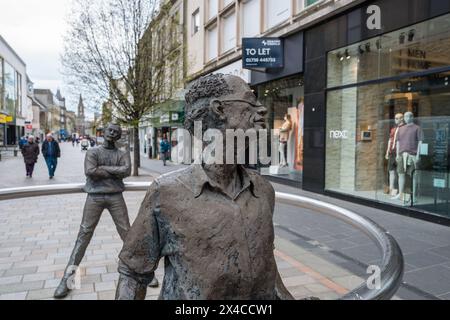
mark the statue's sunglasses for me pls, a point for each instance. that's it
(254, 104)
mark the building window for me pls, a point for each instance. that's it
(277, 12)
(303, 4)
(196, 21)
(390, 141)
(19, 93)
(1, 85)
(10, 87)
(250, 18)
(227, 2)
(229, 32)
(213, 8)
(212, 43)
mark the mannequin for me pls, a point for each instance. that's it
(409, 141)
(299, 144)
(284, 137)
(391, 153)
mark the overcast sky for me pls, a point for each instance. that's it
(34, 29)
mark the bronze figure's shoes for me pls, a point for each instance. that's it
(62, 290)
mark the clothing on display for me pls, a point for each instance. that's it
(408, 138)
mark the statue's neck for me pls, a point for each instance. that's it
(224, 175)
(110, 145)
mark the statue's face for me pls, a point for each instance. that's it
(241, 109)
(113, 133)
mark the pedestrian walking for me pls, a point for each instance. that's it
(51, 153)
(30, 152)
(164, 148)
(22, 142)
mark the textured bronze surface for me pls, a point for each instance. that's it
(212, 224)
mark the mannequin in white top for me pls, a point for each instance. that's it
(284, 137)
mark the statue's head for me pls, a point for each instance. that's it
(113, 132)
(223, 102)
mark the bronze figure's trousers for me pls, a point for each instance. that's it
(95, 204)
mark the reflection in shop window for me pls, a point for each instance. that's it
(397, 146)
(285, 104)
(421, 47)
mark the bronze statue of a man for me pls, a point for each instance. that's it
(105, 168)
(212, 224)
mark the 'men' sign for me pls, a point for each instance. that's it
(262, 53)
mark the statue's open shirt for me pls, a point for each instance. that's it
(215, 247)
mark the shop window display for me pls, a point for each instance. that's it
(284, 102)
(388, 139)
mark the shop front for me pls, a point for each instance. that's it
(165, 120)
(281, 91)
(377, 116)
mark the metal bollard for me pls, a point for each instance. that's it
(15, 152)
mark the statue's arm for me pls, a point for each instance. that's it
(131, 286)
(141, 251)
(281, 292)
(92, 169)
(123, 170)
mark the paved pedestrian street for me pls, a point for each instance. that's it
(38, 234)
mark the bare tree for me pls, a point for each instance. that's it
(109, 56)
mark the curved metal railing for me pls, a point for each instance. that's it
(391, 267)
(392, 264)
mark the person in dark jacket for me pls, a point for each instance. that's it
(51, 153)
(30, 152)
(23, 141)
(164, 148)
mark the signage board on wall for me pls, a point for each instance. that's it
(262, 53)
(165, 118)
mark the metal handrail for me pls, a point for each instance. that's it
(392, 263)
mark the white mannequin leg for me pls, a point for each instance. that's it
(282, 156)
(401, 185)
(392, 178)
